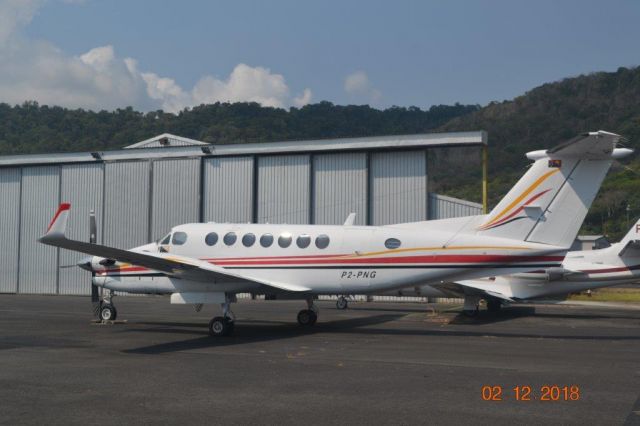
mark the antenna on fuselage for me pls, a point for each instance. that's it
(351, 219)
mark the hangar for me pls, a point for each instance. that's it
(140, 191)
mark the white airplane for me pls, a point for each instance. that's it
(580, 271)
(531, 228)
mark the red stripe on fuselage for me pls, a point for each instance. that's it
(434, 259)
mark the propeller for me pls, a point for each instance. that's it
(95, 291)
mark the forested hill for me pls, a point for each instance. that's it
(33, 128)
(550, 114)
(541, 118)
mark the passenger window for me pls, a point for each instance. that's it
(266, 240)
(284, 240)
(248, 240)
(392, 243)
(303, 241)
(179, 238)
(322, 241)
(211, 239)
(230, 238)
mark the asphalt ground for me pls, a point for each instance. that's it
(376, 363)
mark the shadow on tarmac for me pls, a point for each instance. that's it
(252, 331)
(248, 332)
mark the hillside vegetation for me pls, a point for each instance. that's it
(541, 118)
(552, 113)
(33, 128)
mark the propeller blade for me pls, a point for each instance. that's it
(95, 291)
(93, 228)
(67, 266)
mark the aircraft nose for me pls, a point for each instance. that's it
(85, 263)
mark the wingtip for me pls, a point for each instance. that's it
(61, 209)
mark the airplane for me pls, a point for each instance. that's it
(531, 228)
(581, 270)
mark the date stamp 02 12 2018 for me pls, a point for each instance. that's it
(529, 393)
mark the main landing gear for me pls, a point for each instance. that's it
(224, 325)
(342, 303)
(308, 317)
(471, 306)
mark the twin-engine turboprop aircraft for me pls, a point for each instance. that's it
(530, 229)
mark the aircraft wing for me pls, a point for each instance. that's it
(486, 286)
(479, 286)
(170, 264)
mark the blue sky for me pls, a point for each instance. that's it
(162, 54)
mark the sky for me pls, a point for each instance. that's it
(171, 55)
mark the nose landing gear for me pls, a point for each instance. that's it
(107, 311)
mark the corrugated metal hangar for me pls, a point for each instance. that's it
(140, 192)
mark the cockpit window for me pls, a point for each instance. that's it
(165, 240)
(179, 238)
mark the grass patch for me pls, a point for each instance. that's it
(610, 295)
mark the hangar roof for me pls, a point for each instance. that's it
(165, 140)
(200, 149)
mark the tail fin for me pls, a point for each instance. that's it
(549, 203)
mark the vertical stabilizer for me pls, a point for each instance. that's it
(549, 203)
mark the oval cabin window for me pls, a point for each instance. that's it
(248, 240)
(303, 241)
(284, 240)
(322, 241)
(266, 240)
(211, 239)
(230, 238)
(392, 243)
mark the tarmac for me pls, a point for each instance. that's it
(375, 363)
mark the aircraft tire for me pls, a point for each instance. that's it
(342, 303)
(108, 312)
(220, 326)
(307, 317)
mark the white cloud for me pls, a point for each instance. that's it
(358, 87)
(303, 99)
(244, 84)
(15, 14)
(99, 79)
